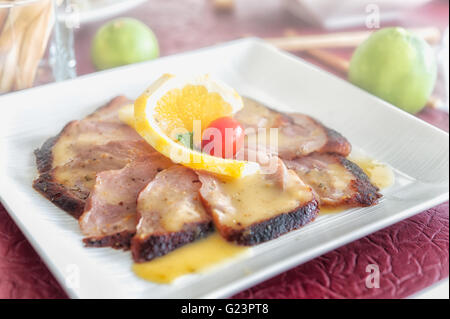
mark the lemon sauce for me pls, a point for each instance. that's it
(331, 210)
(381, 175)
(192, 258)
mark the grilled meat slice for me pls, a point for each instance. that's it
(69, 185)
(109, 217)
(298, 134)
(335, 142)
(170, 214)
(68, 162)
(335, 180)
(259, 207)
(98, 128)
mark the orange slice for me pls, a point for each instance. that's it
(178, 105)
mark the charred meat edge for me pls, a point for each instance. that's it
(268, 229)
(44, 155)
(59, 195)
(366, 194)
(152, 246)
(120, 240)
(336, 142)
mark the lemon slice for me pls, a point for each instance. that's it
(173, 105)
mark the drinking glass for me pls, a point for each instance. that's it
(36, 44)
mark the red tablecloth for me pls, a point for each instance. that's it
(412, 254)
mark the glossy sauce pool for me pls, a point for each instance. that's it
(192, 258)
(381, 175)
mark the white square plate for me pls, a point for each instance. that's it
(418, 153)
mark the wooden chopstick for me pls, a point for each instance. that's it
(223, 5)
(332, 60)
(341, 39)
(342, 66)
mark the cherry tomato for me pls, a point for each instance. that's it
(224, 137)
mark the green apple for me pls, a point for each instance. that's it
(123, 41)
(396, 66)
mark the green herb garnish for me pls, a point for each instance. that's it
(187, 139)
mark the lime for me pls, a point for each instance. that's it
(396, 66)
(123, 41)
